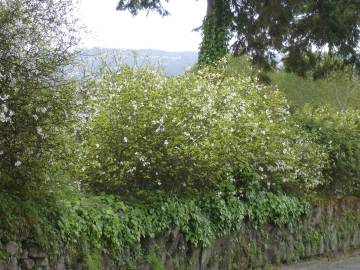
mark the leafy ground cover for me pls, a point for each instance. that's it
(85, 223)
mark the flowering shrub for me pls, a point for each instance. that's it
(191, 133)
(339, 133)
(35, 103)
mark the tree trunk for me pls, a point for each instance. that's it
(210, 7)
(215, 29)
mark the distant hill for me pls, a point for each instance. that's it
(170, 63)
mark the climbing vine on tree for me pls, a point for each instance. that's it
(216, 32)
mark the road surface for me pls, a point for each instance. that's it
(349, 262)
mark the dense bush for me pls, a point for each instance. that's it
(339, 133)
(338, 87)
(193, 132)
(36, 102)
(340, 90)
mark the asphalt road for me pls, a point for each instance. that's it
(350, 262)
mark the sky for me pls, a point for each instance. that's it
(114, 29)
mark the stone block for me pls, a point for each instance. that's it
(68, 261)
(195, 259)
(13, 264)
(12, 248)
(283, 251)
(333, 242)
(174, 241)
(24, 254)
(107, 262)
(317, 215)
(78, 266)
(321, 249)
(2, 265)
(35, 252)
(60, 264)
(273, 255)
(42, 262)
(27, 263)
(205, 257)
(290, 254)
(169, 265)
(356, 239)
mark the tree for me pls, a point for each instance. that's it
(216, 32)
(215, 25)
(297, 31)
(36, 41)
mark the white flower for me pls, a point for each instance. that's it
(125, 140)
(97, 145)
(39, 131)
(17, 163)
(131, 170)
(4, 98)
(43, 110)
(5, 109)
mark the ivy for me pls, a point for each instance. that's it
(87, 224)
(216, 32)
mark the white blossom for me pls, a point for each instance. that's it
(18, 163)
(40, 131)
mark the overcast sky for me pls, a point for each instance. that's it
(115, 29)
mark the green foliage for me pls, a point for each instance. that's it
(191, 133)
(339, 90)
(90, 224)
(319, 66)
(215, 32)
(216, 134)
(339, 133)
(266, 30)
(332, 25)
(265, 208)
(240, 67)
(155, 262)
(134, 6)
(93, 260)
(33, 219)
(329, 109)
(36, 102)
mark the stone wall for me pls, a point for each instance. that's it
(333, 227)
